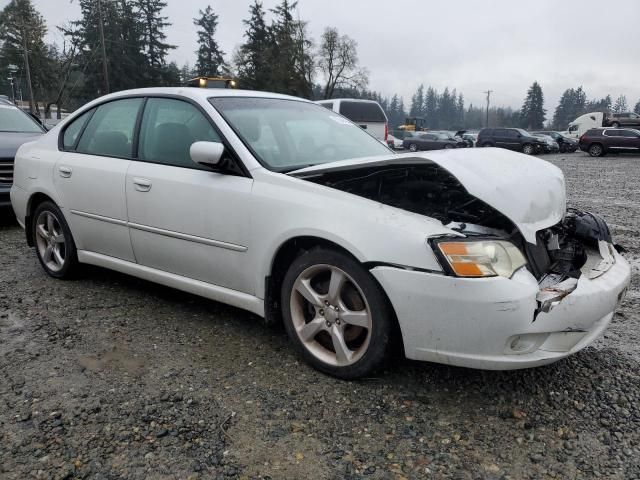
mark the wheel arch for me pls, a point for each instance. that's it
(284, 255)
(35, 199)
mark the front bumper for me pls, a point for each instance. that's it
(491, 323)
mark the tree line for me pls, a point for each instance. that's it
(117, 45)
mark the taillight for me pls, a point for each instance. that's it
(386, 131)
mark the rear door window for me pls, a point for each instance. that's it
(362, 112)
(73, 131)
(110, 130)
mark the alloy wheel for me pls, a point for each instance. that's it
(528, 149)
(413, 147)
(50, 241)
(595, 150)
(331, 315)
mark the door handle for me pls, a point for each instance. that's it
(65, 172)
(142, 184)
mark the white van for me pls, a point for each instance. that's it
(367, 114)
(583, 123)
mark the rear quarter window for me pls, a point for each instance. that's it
(362, 112)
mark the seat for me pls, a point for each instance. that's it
(171, 144)
(111, 143)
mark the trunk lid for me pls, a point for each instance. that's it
(528, 191)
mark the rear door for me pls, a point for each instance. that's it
(628, 140)
(90, 176)
(501, 138)
(367, 115)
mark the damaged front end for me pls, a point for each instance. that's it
(579, 244)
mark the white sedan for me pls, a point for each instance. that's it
(281, 207)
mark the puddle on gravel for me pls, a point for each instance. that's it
(116, 359)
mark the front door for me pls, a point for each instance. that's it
(90, 177)
(184, 218)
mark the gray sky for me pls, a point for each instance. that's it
(471, 45)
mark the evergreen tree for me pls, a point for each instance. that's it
(152, 25)
(123, 47)
(532, 114)
(572, 104)
(621, 105)
(460, 111)
(210, 59)
(292, 64)
(431, 108)
(22, 25)
(253, 60)
(636, 109)
(417, 103)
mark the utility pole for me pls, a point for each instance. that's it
(105, 72)
(488, 92)
(27, 70)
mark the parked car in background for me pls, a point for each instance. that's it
(551, 145)
(511, 138)
(394, 143)
(16, 128)
(367, 114)
(467, 257)
(460, 142)
(468, 137)
(616, 120)
(566, 144)
(419, 141)
(600, 141)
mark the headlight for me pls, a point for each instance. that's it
(485, 258)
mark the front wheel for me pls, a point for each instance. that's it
(615, 125)
(413, 147)
(448, 146)
(336, 314)
(528, 149)
(54, 243)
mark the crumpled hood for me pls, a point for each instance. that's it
(527, 190)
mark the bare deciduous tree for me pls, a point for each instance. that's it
(338, 61)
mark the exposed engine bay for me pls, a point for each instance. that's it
(580, 244)
(426, 189)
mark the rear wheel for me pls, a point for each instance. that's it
(487, 144)
(596, 150)
(615, 125)
(528, 149)
(448, 146)
(336, 314)
(54, 243)
(413, 147)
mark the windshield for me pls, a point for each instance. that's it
(286, 135)
(12, 119)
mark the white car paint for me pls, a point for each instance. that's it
(217, 236)
(583, 123)
(375, 129)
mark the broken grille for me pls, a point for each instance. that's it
(6, 171)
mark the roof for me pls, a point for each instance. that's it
(362, 100)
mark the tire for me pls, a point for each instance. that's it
(615, 124)
(320, 291)
(528, 149)
(448, 147)
(487, 144)
(413, 147)
(54, 243)
(563, 148)
(596, 150)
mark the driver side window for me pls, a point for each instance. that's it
(169, 128)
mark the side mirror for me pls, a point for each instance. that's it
(208, 154)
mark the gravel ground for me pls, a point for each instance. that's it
(113, 377)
